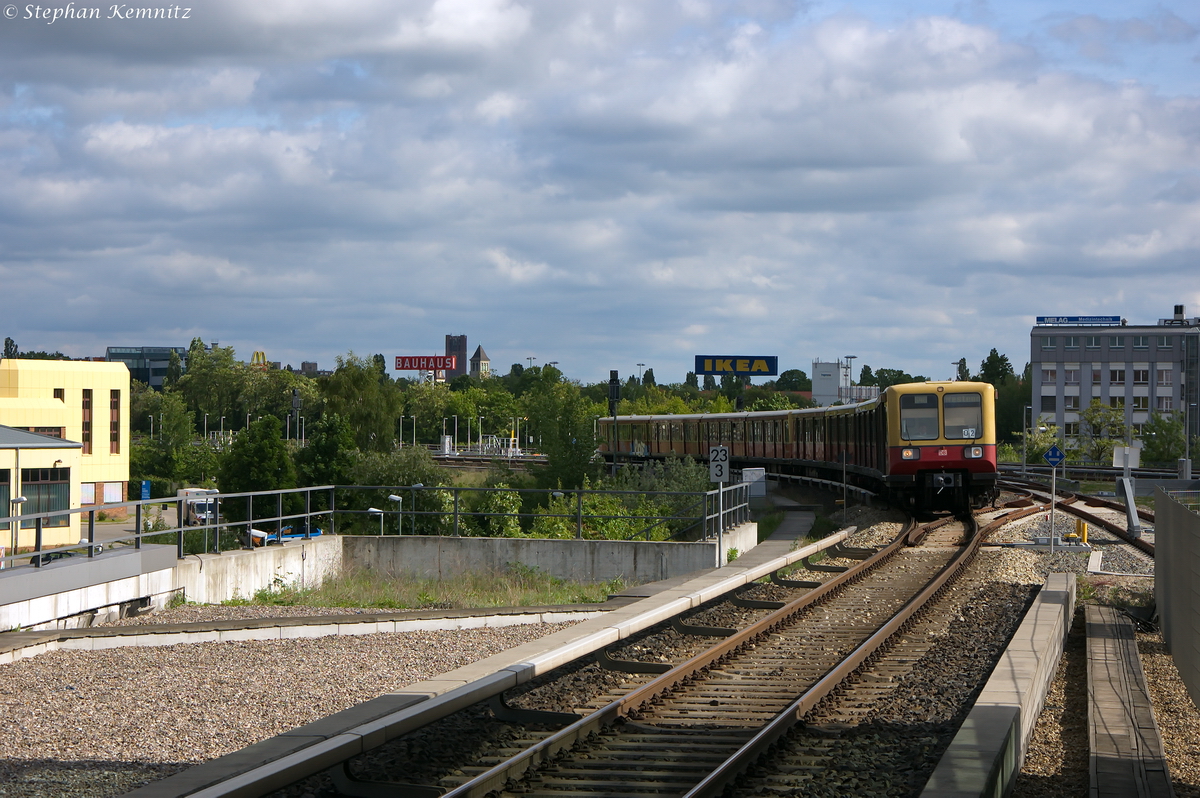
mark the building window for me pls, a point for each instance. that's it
(1165, 404)
(1049, 375)
(1071, 376)
(1072, 429)
(1070, 403)
(1141, 376)
(49, 432)
(87, 421)
(1049, 405)
(1048, 342)
(60, 394)
(87, 493)
(5, 507)
(1166, 378)
(114, 424)
(113, 492)
(1137, 430)
(1096, 376)
(1141, 342)
(1071, 342)
(1116, 342)
(47, 489)
(1092, 341)
(1141, 403)
(1116, 377)
(1116, 402)
(1164, 342)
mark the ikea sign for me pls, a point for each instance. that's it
(741, 365)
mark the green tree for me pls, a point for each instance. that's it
(794, 380)
(995, 368)
(1041, 437)
(866, 376)
(710, 383)
(174, 370)
(1101, 427)
(258, 459)
(395, 471)
(357, 393)
(214, 384)
(963, 373)
(11, 349)
(271, 392)
(648, 377)
(328, 457)
(886, 378)
(1162, 439)
(564, 421)
(690, 380)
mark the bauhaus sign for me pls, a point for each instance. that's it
(426, 362)
(741, 365)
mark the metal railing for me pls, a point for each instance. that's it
(1188, 498)
(242, 520)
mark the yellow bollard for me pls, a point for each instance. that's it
(1081, 529)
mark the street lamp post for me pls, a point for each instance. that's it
(531, 359)
(151, 427)
(206, 427)
(14, 526)
(301, 432)
(455, 433)
(1026, 413)
(481, 434)
(850, 376)
(399, 512)
(380, 514)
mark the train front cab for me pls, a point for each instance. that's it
(941, 444)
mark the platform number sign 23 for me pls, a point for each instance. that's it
(718, 464)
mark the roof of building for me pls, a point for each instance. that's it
(480, 354)
(20, 439)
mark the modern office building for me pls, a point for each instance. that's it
(456, 345)
(832, 383)
(146, 364)
(1139, 368)
(85, 407)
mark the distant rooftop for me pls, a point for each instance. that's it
(20, 439)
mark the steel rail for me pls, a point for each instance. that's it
(1069, 504)
(715, 783)
(628, 705)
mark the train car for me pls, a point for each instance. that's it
(924, 445)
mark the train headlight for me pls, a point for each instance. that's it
(910, 454)
(973, 452)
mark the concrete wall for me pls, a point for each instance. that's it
(213, 578)
(1177, 585)
(577, 560)
(78, 591)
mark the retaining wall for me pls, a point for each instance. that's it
(78, 591)
(1177, 586)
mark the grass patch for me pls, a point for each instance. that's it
(517, 586)
(768, 521)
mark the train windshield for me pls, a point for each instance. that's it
(964, 415)
(919, 417)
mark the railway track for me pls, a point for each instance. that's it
(694, 729)
(1076, 503)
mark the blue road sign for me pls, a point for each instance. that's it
(1054, 456)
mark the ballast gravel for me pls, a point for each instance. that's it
(100, 723)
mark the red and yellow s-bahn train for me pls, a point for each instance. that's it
(929, 445)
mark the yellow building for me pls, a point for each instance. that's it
(85, 402)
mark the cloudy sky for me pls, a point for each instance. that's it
(597, 183)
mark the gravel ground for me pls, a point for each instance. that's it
(194, 613)
(1178, 718)
(99, 723)
(1056, 765)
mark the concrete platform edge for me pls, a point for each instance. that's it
(987, 752)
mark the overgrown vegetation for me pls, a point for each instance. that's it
(517, 586)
